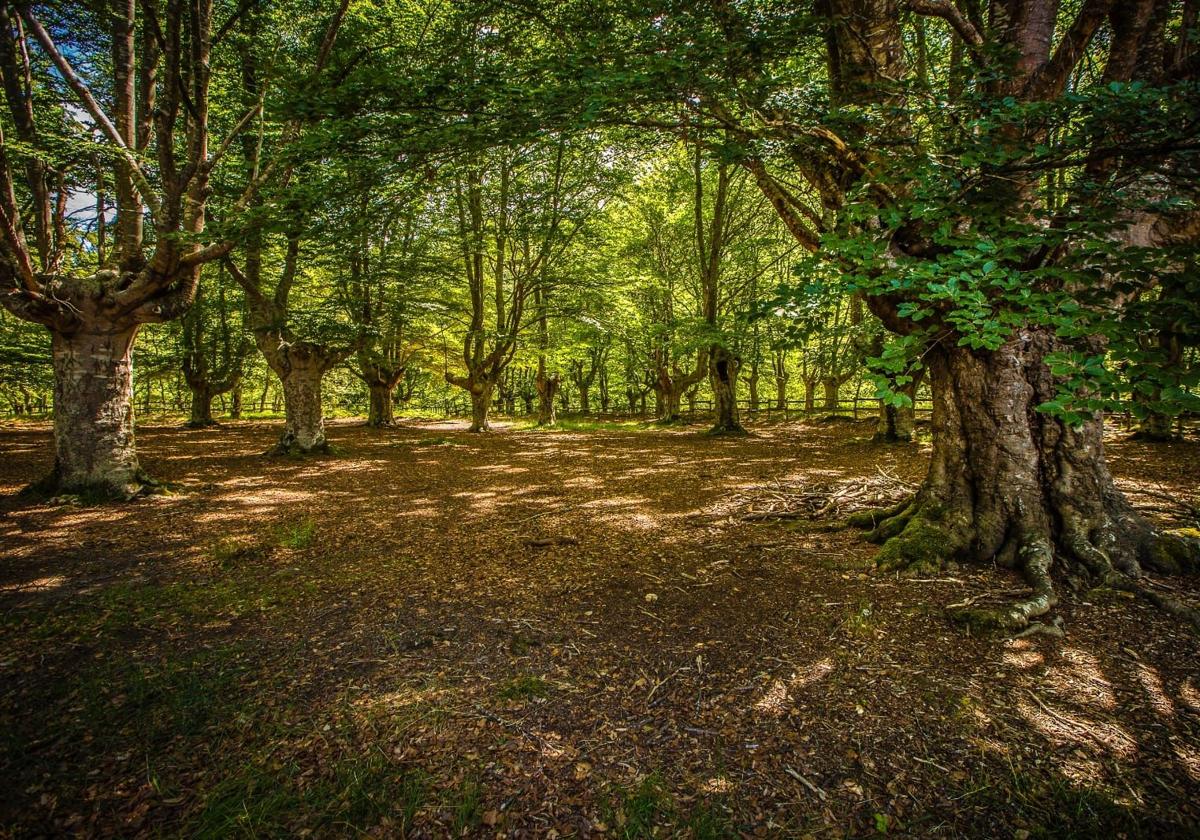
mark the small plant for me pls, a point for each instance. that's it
(861, 622)
(228, 551)
(523, 688)
(297, 535)
(634, 814)
(466, 807)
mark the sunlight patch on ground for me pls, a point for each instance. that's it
(1190, 759)
(1153, 686)
(1082, 679)
(1065, 728)
(1189, 695)
(49, 582)
(777, 699)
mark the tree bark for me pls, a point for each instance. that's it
(380, 411)
(547, 390)
(724, 367)
(1155, 427)
(304, 419)
(481, 401)
(1010, 484)
(831, 388)
(895, 423)
(93, 414)
(201, 412)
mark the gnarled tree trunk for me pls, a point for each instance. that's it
(380, 411)
(93, 413)
(481, 401)
(200, 415)
(1010, 484)
(300, 366)
(831, 388)
(547, 390)
(724, 367)
(304, 418)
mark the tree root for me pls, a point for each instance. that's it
(871, 517)
(727, 431)
(1037, 558)
(923, 545)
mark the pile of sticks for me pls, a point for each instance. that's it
(785, 500)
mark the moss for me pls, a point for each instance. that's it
(921, 548)
(1174, 552)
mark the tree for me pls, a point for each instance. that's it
(214, 350)
(94, 297)
(518, 213)
(1005, 286)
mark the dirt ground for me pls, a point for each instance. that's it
(556, 634)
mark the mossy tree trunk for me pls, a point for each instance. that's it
(1012, 485)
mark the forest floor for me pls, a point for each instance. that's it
(579, 633)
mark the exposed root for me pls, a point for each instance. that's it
(872, 517)
(1037, 558)
(728, 431)
(1174, 552)
(291, 449)
(923, 546)
(51, 489)
(893, 525)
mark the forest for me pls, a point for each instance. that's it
(600, 418)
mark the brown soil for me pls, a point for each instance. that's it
(555, 634)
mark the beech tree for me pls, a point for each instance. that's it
(214, 348)
(153, 70)
(518, 214)
(935, 209)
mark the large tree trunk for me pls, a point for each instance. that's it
(93, 414)
(831, 388)
(481, 401)
(1155, 427)
(671, 400)
(304, 419)
(895, 423)
(547, 390)
(380, 410)
(723, 368)
(201, 413)
(1010, 484)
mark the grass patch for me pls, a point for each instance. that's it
(466, 806)
(583, 424)
(356, 794)
(1052, 807)
(296, 535)
(436, 440)
(525, 687)
(634, 814)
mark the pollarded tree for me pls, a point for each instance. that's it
(152, 65)
(518, 212)
(299, 347)
(214, 346)
(948, 222)
(300, 351)
(385, 282)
